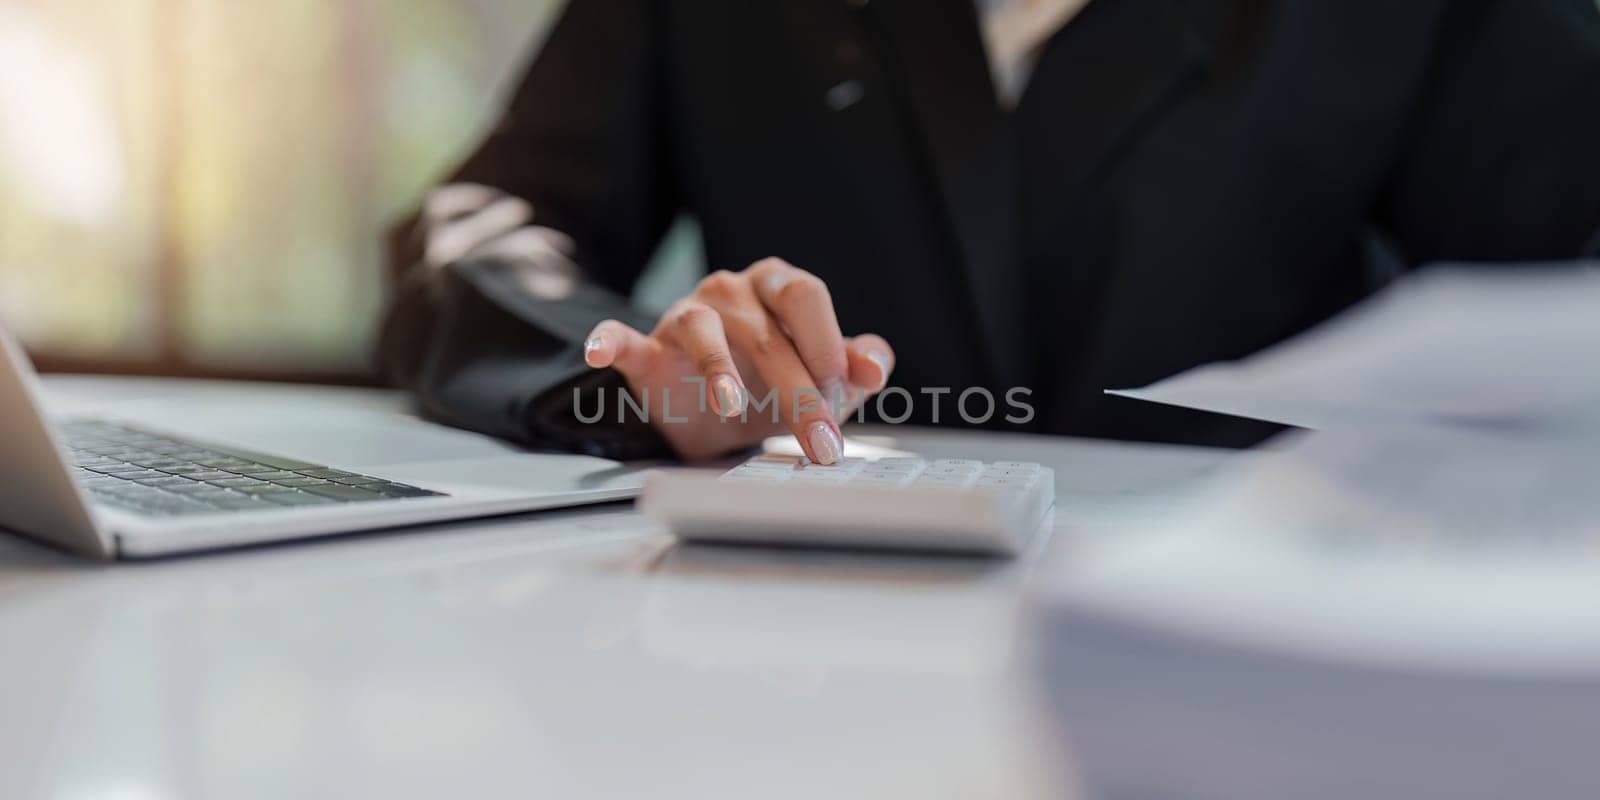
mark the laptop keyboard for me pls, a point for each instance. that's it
(151, 473)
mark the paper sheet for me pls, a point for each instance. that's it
(1445, 515)
(1424, 548)
(1515, 346)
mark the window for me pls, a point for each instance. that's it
(201, 186)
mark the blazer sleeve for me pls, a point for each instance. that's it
(1504, 159)
(569, 195)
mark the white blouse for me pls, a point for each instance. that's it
(1014, 32)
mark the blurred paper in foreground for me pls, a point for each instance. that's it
(1515, 346)
(1418, 548)
(1445, 513)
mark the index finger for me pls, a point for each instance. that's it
(802, 303)
(797, 403)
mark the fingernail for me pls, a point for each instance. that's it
(590, 345)
(775, 283)
(730, 398)
(825, 444)
(881, 361)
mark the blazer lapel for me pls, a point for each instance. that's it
(1121, 53)
(935, 56)
(1105, 78)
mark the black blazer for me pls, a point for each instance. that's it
(1182, 182)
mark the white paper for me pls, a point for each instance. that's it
(1445, 513)
(1515, 346)
(1422, 548)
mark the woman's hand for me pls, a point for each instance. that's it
(767, 344)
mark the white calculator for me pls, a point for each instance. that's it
(902, 503)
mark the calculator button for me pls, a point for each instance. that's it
(941, 480)
(895, 477)
(1019, 482)
(880, 480)
(818, 477)
(833, 477)
(763, 475)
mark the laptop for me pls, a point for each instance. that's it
(184, 474)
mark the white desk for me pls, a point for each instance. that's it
(561, 654)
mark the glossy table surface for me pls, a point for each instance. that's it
(584, 653)
(558, 654)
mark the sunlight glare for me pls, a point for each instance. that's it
(58, 136)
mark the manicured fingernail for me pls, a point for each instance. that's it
(730, 398)
(881, 361)
(825, 445)
(590, 345)
(775, 283)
